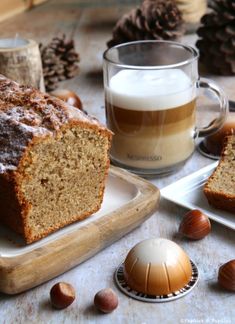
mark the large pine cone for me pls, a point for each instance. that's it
(154, 19)
(217, 38)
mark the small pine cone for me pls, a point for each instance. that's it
(216, 41)
(62, 77)
(59, 60)
(71, 71)
(154, 19)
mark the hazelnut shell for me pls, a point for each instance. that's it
(106, 300)
(62, 295)
(214, 143)
(69, 97)
(226, 275)
(195, 225)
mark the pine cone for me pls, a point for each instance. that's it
(217, 38)
(59, 61)
(154, 19)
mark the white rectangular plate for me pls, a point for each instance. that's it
(188, 192)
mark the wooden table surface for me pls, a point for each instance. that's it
(207, 303)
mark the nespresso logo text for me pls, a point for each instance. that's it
(144, 158)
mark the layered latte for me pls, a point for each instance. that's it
(152, 114)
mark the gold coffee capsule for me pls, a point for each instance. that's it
(157, 267)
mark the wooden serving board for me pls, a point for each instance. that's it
(128, 201)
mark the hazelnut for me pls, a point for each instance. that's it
(214, 143)
(106, 300)
(68, 96)
(195, 225)
(62, 295)
(226, 275)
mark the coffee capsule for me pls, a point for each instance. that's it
(156, 270)
(157, 267)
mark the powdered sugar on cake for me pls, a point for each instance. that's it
(26, 113)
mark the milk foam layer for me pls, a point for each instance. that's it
(150, 89)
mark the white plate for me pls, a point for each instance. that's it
(188, 192)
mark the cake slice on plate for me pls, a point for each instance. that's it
(53, 162)
(220, 187)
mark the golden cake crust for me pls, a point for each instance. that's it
(26, 113)
(220, 186)
(29, 117)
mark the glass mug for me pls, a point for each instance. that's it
(150, 102)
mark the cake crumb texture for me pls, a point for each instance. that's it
(53, 162)
(220, 187)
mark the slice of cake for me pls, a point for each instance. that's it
(53, 162)
(220, 187)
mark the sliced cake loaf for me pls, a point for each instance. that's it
(220, 187)
(53, 162)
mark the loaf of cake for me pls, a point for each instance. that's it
(220, 186)
(53, 162)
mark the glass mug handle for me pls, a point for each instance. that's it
(217, 123)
